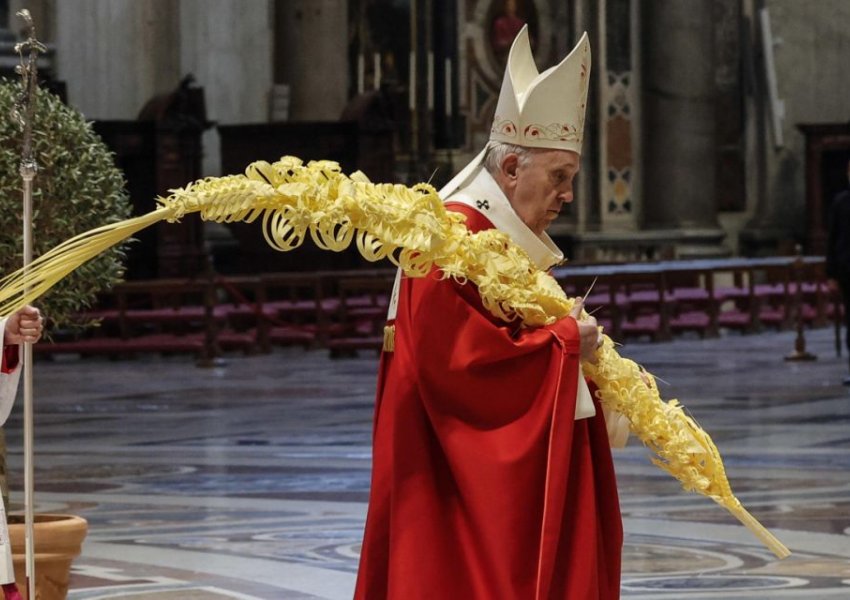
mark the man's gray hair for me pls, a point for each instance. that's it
(499, 150)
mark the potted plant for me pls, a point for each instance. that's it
(77, 187)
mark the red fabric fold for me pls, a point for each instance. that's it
(10, 592)
(11, 358)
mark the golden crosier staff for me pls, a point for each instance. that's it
(24, 113)
(411, 228)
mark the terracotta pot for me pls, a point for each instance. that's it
(58, 541)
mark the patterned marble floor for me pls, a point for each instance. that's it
(249, 480)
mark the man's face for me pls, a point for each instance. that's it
(538, 189)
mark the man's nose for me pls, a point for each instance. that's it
(566, 196)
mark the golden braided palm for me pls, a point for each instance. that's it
(411, 228)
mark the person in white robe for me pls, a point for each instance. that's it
(24, 326)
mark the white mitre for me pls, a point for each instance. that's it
(536, 110)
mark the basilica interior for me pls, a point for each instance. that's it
(213, 421)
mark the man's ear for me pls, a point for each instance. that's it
(509, 167)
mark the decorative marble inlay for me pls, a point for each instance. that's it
(714, 583)
(617, 185)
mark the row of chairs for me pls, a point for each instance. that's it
(210, 316)
(660, 300)
(345, 311)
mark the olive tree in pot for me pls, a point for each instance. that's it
(77, 188)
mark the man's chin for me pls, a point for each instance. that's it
(546, 225)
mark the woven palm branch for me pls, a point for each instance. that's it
(411, 228)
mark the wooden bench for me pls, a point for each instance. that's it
(669, 297)
(162, 315)
(361, 313)
(345, 311)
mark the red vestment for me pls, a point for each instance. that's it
(484, 485)
(10, 359)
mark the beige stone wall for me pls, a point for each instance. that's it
(313, 55)
(812, 45)
(227, 45)
(228, 49)
(812, 57)
(116, 55)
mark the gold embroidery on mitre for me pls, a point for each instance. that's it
(561, 132)
(504, 127)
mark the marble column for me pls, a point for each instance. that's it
(311, 56)
(619, 134)
(117, 55)
(764, 229)
(678, 90)
(227, 45)
(810, 65)
(585, 17)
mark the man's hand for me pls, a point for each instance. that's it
(23, 326)
(588, 331)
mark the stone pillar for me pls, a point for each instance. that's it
(311, 56)
(422, 156)
(237, 75)
(764, 230)
(615, 58)
(679, 123)
(585, 17)
(810, 62)
(116, 55)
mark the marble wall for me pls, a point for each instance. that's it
(811, 50)
(312, 56)
(758, 186)
(227, 45)
(115, 56)
(618, 125)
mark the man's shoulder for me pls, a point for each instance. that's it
(475, 221)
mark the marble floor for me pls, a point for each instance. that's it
(249, 480)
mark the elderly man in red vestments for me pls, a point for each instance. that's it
(492, 472)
